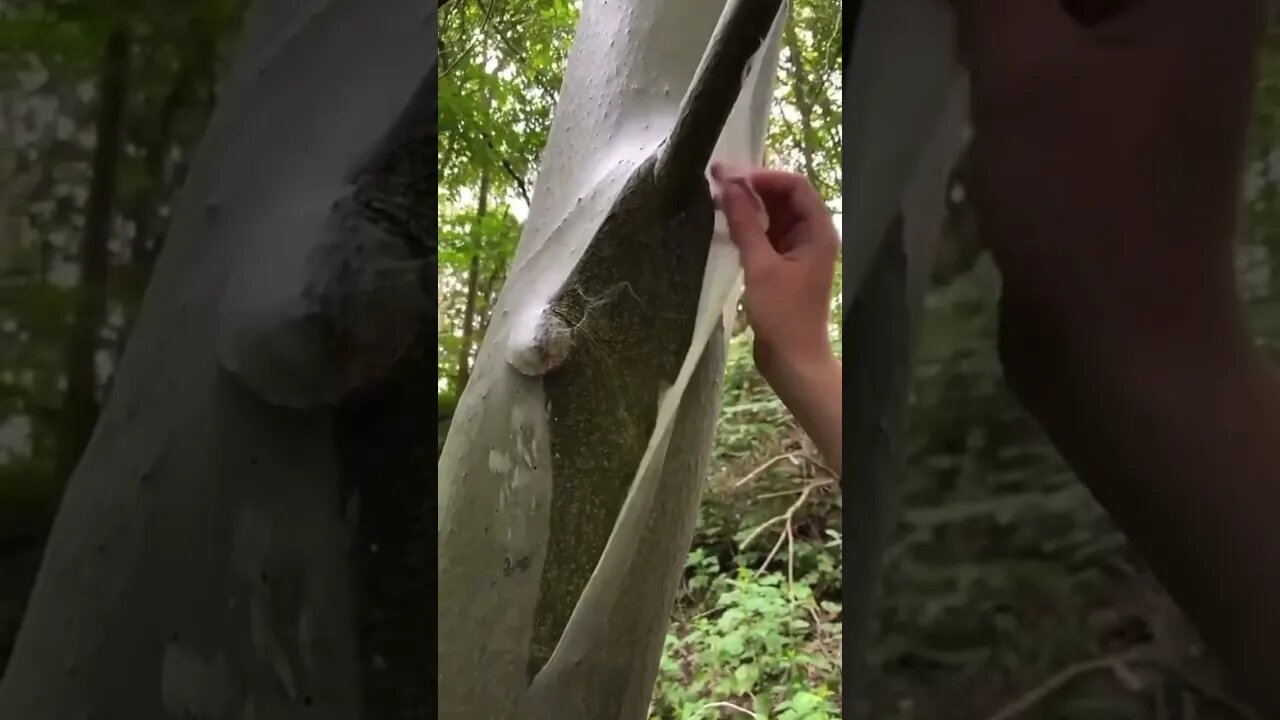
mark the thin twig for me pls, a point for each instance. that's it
(780, 493)
(1118, 664)
(1066, 675)
(768, 464)
(788, 532)
(819, 464)
(725, 704)
(479, 35)
(822, 636)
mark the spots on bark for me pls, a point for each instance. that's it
(523, 436)
(271, 573)
(519, 489)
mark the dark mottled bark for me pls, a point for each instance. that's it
(637, 286)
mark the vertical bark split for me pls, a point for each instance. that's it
(637, 287)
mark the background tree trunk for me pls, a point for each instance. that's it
(247, 533)
(473, 281)
(803, 105)
(80, 402)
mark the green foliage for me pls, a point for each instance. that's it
(500, 71)
(748, 409)
(760, 644)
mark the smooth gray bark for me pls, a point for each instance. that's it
(244, 535)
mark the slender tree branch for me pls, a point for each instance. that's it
(479, 35)
(521, 187)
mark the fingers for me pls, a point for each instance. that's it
(742, 212)
(799, 219)
(789, 194)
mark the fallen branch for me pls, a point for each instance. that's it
(1066, 675)
(731, 706)
(1118, 664)
(767, 464)
(788, 533)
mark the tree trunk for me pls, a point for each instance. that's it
(908, 99)
(473, 280)
(901, 67)
(80, 402)
(486, 310)
(247, 533)
(600, 372)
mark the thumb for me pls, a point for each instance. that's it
(742, 211)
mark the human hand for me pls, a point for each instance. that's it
(788, 269)
(1109, 159)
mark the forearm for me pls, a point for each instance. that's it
(811, 390)
(1178, 436)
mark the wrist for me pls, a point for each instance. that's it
(787, 370)
(809, 384)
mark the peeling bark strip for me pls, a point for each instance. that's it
(201, 564)
(637, 286)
